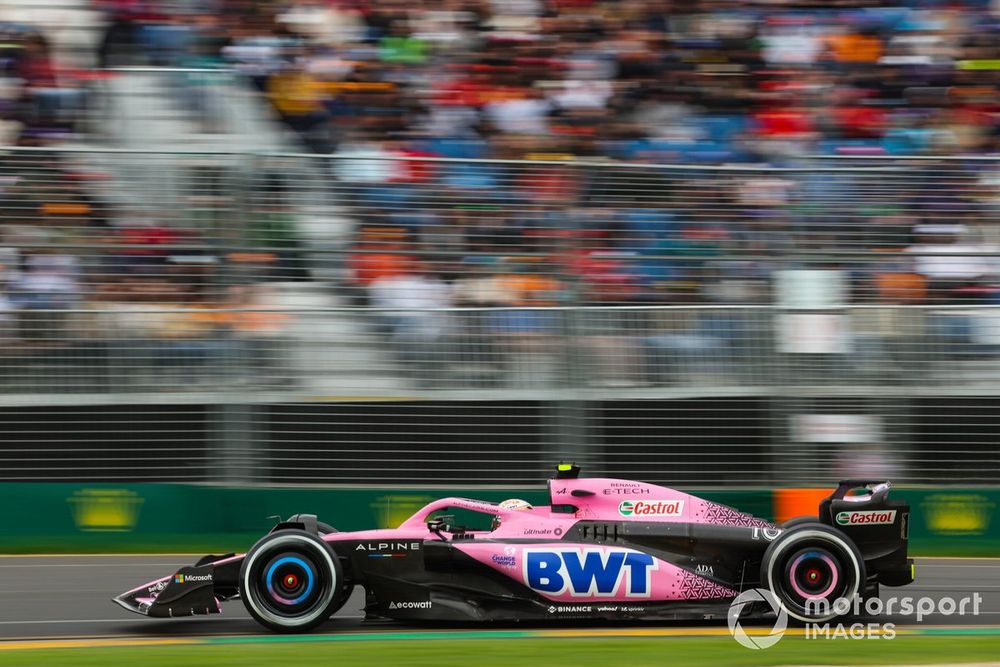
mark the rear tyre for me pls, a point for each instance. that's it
(798, 521)
(815, 571)
(291, 581)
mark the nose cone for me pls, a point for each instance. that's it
(126, 602)
(141, 598)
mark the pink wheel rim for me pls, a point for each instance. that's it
(834, 577)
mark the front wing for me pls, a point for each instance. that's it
(197, 589)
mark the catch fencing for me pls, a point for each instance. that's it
(371, 318)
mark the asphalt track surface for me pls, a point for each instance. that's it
(53, 597)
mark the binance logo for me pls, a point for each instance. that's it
(105, 510)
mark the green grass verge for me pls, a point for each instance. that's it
(574, 652)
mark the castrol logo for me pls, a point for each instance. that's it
(869, 518)
(651, 507)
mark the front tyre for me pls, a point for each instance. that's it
(291, 581)
(815, 571)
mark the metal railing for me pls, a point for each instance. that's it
(738, 395)
(488, 353)
(365, 318)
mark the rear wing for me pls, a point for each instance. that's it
(878, 525)
(868, 487)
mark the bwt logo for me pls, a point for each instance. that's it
(588, 572)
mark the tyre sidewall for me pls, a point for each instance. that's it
(848, 556)
(329, 571)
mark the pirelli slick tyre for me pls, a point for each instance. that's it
(322, 528)
(325, 529)
(797, 521)
(291, 581)
(815, 571)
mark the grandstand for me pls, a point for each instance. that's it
(334, 243)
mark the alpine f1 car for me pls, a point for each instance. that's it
(604, 549)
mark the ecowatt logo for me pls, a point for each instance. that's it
(426, 604)
(869, 518)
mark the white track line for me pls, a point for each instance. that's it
(917, 586)
(127, 620)
(68, 620)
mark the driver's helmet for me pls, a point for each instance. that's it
(515, 504)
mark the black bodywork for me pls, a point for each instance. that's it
(431, 579)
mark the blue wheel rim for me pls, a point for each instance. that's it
(310, 580)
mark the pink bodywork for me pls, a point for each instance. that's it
(663, 581)
(595, 499)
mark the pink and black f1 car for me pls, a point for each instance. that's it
(604, 549)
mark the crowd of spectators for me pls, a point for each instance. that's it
(39, 102)
(704, 81)
(561, 86)
(553, 235)
(89, 283)
(668, 81)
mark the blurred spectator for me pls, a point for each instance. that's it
(296, 96)
(9, 335)
(47, 282)
(482, 284)
(687, 82)
(121, 37)
(272, 230)
(409, 299)
(328, 23)
(47, 285)
(666, 80)
(413, 319)
(36, 98)
(952, 269)
(382, 253)
(260, 331)
(35, 65)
